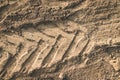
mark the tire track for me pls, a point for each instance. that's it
(4, 57)
(16, 61)
(52, 51)
(11, 61)
(35, 63)
(57, 55)
(27, 63)
(78, 48)
(71, 45)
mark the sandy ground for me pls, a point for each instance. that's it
(59, 39)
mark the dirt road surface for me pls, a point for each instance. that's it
(59, 39)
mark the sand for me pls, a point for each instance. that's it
(59, 39)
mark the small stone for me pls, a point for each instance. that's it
(115, 64)
(61, 76)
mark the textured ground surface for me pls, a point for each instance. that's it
(60, 39)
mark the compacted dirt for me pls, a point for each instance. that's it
(59, 39)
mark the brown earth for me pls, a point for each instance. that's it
(59, 39)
